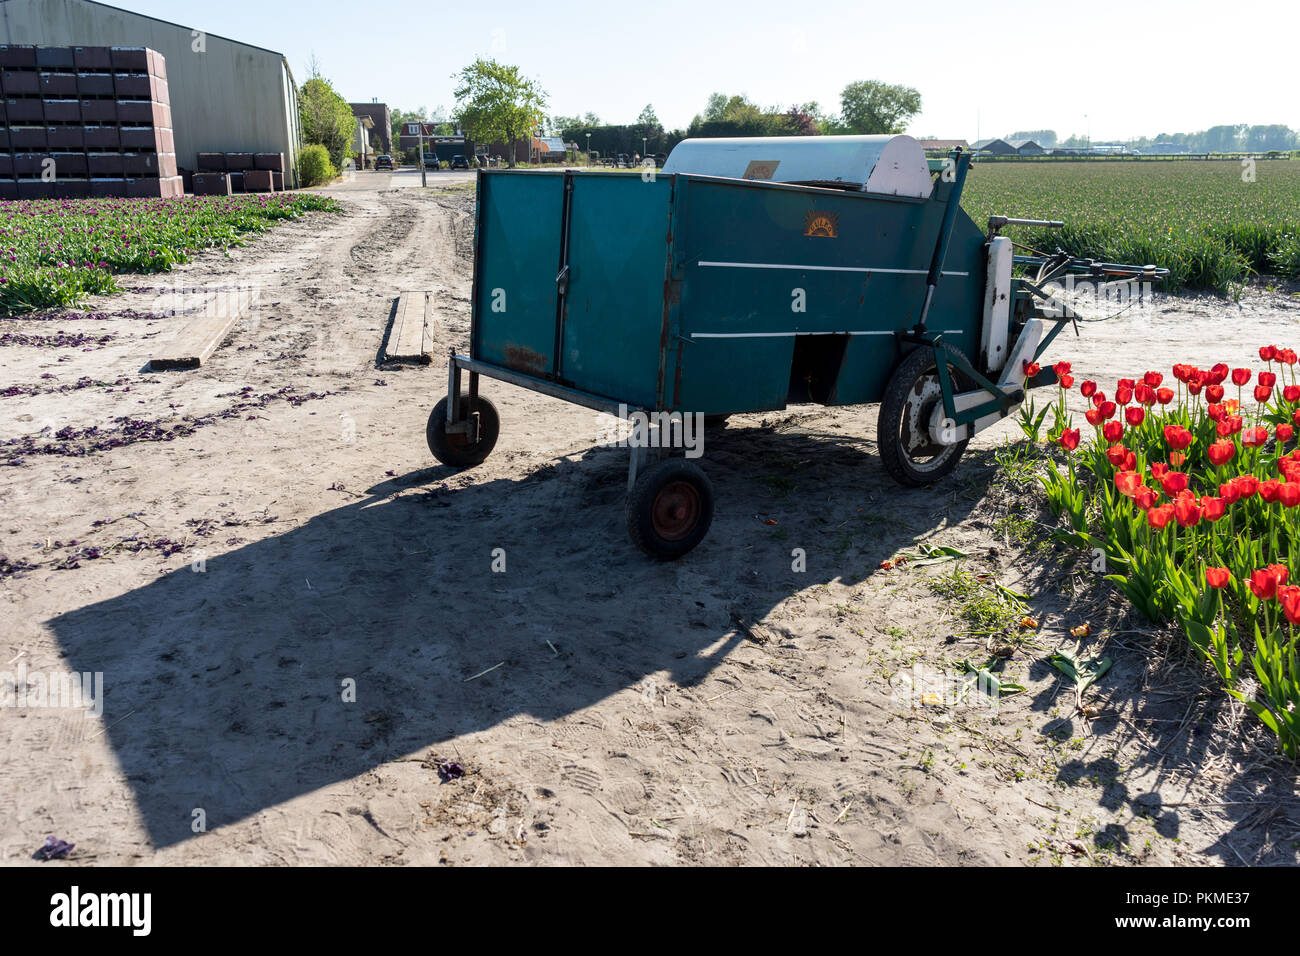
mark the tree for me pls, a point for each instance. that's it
(869, 106)
(497, 103)
(648, 118)
(326, 116)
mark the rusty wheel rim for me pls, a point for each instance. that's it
(676, 510)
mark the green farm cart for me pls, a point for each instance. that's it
(743, 276)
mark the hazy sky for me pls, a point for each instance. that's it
(1132, 68)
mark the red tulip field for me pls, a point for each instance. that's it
(1192, 495)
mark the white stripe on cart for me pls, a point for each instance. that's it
(777, 265)
(782, 335)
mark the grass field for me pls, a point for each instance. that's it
(1200, 218)
(56, 252)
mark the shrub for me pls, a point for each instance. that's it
(314, 166)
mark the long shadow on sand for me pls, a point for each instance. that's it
(225, 689)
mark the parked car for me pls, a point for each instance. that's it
(383, 161)
(459, 162)
(431, 161)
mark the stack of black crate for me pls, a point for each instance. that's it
(85, 121)
(221, 174)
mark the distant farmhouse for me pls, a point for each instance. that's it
(1015, 147)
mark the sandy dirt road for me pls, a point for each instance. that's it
(291, 603)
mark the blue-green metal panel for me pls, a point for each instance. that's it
(744, 253)
(518, 253)
(614, 316)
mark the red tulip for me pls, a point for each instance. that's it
(1251, 437)
(1214, 508)
(1158, 517)
(1217, 577)
(1228, 425)
(1187, 512)
(1291, 393)
(1117, 454)
(1283, 432)
(1218, 373)
(1289, 598)
(1289, 494)
(1061, 368)
(1221, 452)
(1124, 394)
(1069, 438)
(1194, 386)
(1164, 395)
(1107, 409)
(1153, 378)
(1268, 378)
(1216, 412)
(1093, 415)
(1031, 369)
(1134, 415)
(1086, 389)
(1280, 573)
(1263, 392)
(1173, 482)
(1240, 376)
(1267, 352)
(1263, 584)
(1286, 356)
(1214, 393)
(1177, 437)
(1270, 490)
(1066, 381)
(1158, 470)
(1229, 492)
(1146, 497)
(1127, 483)
(1112, 431)
(1246, 485)
(1145, 394)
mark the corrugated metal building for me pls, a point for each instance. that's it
(226, 96)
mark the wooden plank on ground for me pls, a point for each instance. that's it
(199, 337)
(407, 342)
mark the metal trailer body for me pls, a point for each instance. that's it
(702, 294)
(744, 276)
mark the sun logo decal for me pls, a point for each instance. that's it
(823, 224)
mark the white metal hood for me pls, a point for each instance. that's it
(891, 165)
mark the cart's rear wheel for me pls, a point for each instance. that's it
(910, 454)
(670, 508)
(457, 450)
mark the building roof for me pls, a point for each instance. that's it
(170, 23)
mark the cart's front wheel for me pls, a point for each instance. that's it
(911, 455)
(669, 509)
(457, 450)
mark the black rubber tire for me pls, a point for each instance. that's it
(454, 450)
(678, 479)
(916, 365)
